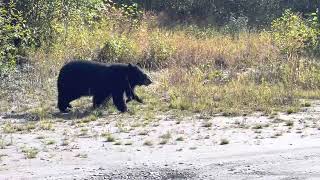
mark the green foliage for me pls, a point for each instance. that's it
(314, 21)
(43, 15)
(294, 35)
(132, 12)
(160, 51)
(127, 16)
(118, 49)
(14, 35)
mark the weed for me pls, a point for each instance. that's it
(40, 112)
(83, 132)
(224, 142)
(163, 141)
(8, 128)
(207, 124)
(50, 142)
(266, 125)
(290, 111)
(147, 143)
(143, 133)
(289, 123)
(30, 153)
(81, 155)
(4, 143)
(12, 128)
(108, 137)
(89, 119)
(30, 126)
(97, 113)
(149, 116)
(2, 155)
(257, 126)
(136, 124)
(46, 125)
(277, 120)
(118, 143)
(129, 143)
(180, 138)
(40, 137)
(167, 135)
(258, 131)
(306, 104)
(277, 134)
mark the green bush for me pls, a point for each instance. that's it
(43, 15)
(14, 36)
(293, 34)
(160, 51)
(118, 49)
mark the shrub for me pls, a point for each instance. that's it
(118, 49)
(14, 36)
(293, 34)
(160, 51)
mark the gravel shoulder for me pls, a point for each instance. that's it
(256, 147)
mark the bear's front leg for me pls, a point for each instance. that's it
(131, 95)
(137, 98)
(119, 102)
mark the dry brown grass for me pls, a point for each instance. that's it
(213, 73)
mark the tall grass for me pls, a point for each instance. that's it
(196, 70)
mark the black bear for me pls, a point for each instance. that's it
(86, 78)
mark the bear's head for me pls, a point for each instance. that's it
(137, 76)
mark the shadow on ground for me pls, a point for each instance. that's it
(31, 116)
(77, 114)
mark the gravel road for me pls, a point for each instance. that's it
(258, 147)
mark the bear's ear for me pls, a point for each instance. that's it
(130, 65)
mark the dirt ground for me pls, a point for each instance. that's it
(118, 146)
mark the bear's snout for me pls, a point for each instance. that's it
(147, 81)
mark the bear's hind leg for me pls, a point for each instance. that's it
(119, 102)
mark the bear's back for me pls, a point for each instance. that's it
(89, 72)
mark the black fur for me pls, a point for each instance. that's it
(102, 81)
